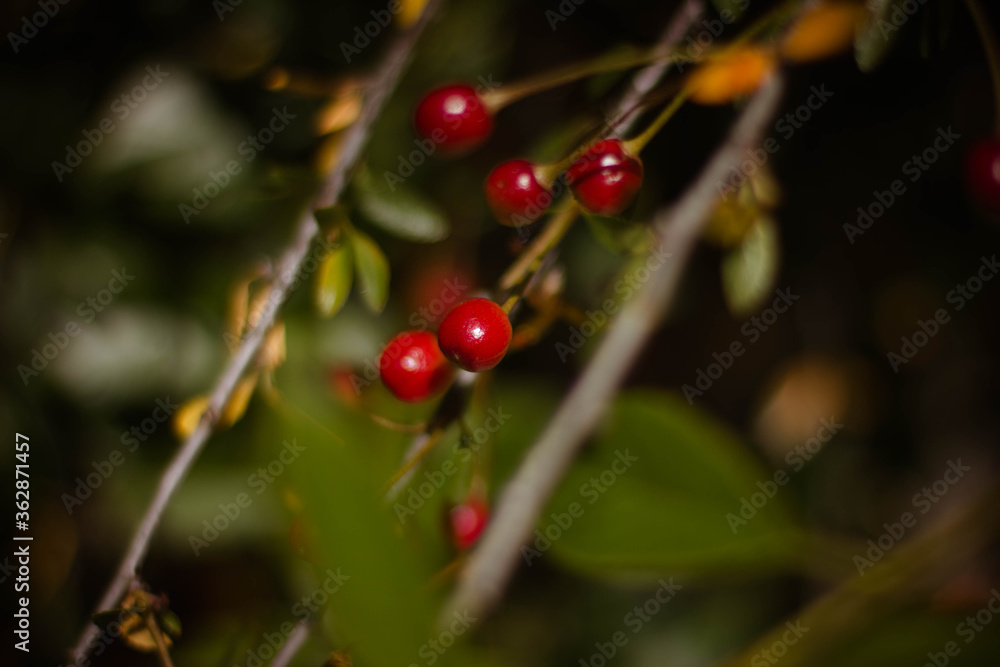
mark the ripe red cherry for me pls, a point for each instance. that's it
(515, 194)
(475, 334)
(982, 171)
(605, 178)
(413, 367)
(467, 522)
(454, 117)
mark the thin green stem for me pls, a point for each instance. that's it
(531, 258)
(989, 40)
(635, 145)
(513, 92)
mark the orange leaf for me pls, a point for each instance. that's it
(731, 74)
(822, 31)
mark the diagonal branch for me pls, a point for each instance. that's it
(482, 583)
(383, 82)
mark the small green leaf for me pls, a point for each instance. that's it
(372, 268)
(170, 622)
(874, 39)
(398, 209)
(749, 270)
(333, 281)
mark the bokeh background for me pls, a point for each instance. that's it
(161, 338)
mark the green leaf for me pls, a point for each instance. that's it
(618, 234)
(875, 38)
(907, 637)
(673, 507)
(749, 270)
(382, 608)
(333, 281)
(372, 268)
(170, 622)
(398, 209)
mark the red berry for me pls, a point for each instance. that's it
(515, 195)
(605, 178)
(413, 367)
(467, 522)
(454, 117)
(475, 334)
(982, 171)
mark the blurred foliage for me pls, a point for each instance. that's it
(187, 197)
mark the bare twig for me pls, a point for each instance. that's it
(621, 117)
(482, 583)
(161, 645)
(382, 84)
(292, 645)
(913, 570)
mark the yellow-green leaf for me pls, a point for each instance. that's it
(873, 41)
(398, 209)
(372, 269)
(333, 281)
(749, 270)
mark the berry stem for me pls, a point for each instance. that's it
(635, 145)
(989, 40)
(417, 457)
(513, 92)
(554, 231)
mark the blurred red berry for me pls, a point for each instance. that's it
(605, 178)
(515, 194)
(454, 118)
(467, 522)
(475, 334)
(413, 367)
(982, 171)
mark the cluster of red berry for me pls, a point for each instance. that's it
(604, 178)
(475, 335)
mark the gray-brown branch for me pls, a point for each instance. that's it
(481, 584)
(383, 82)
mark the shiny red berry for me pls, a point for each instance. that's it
(475, 334)
(454, 117)
(467, 522)
(982, 171)
(413, 367)
(515, 194)
(605, 178)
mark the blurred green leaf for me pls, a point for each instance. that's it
(750, 269)
(676, 506)
(170, 622)
(398, 209)
(875, 38)
(908, 637)
(333, 281)
(372, 268)
(383, 608)
(618, 234)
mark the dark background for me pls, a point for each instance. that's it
(162, 336)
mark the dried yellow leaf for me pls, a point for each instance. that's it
(731, 74)
(237, 405)
(187, 417)
(410, 12)
(822, 31)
